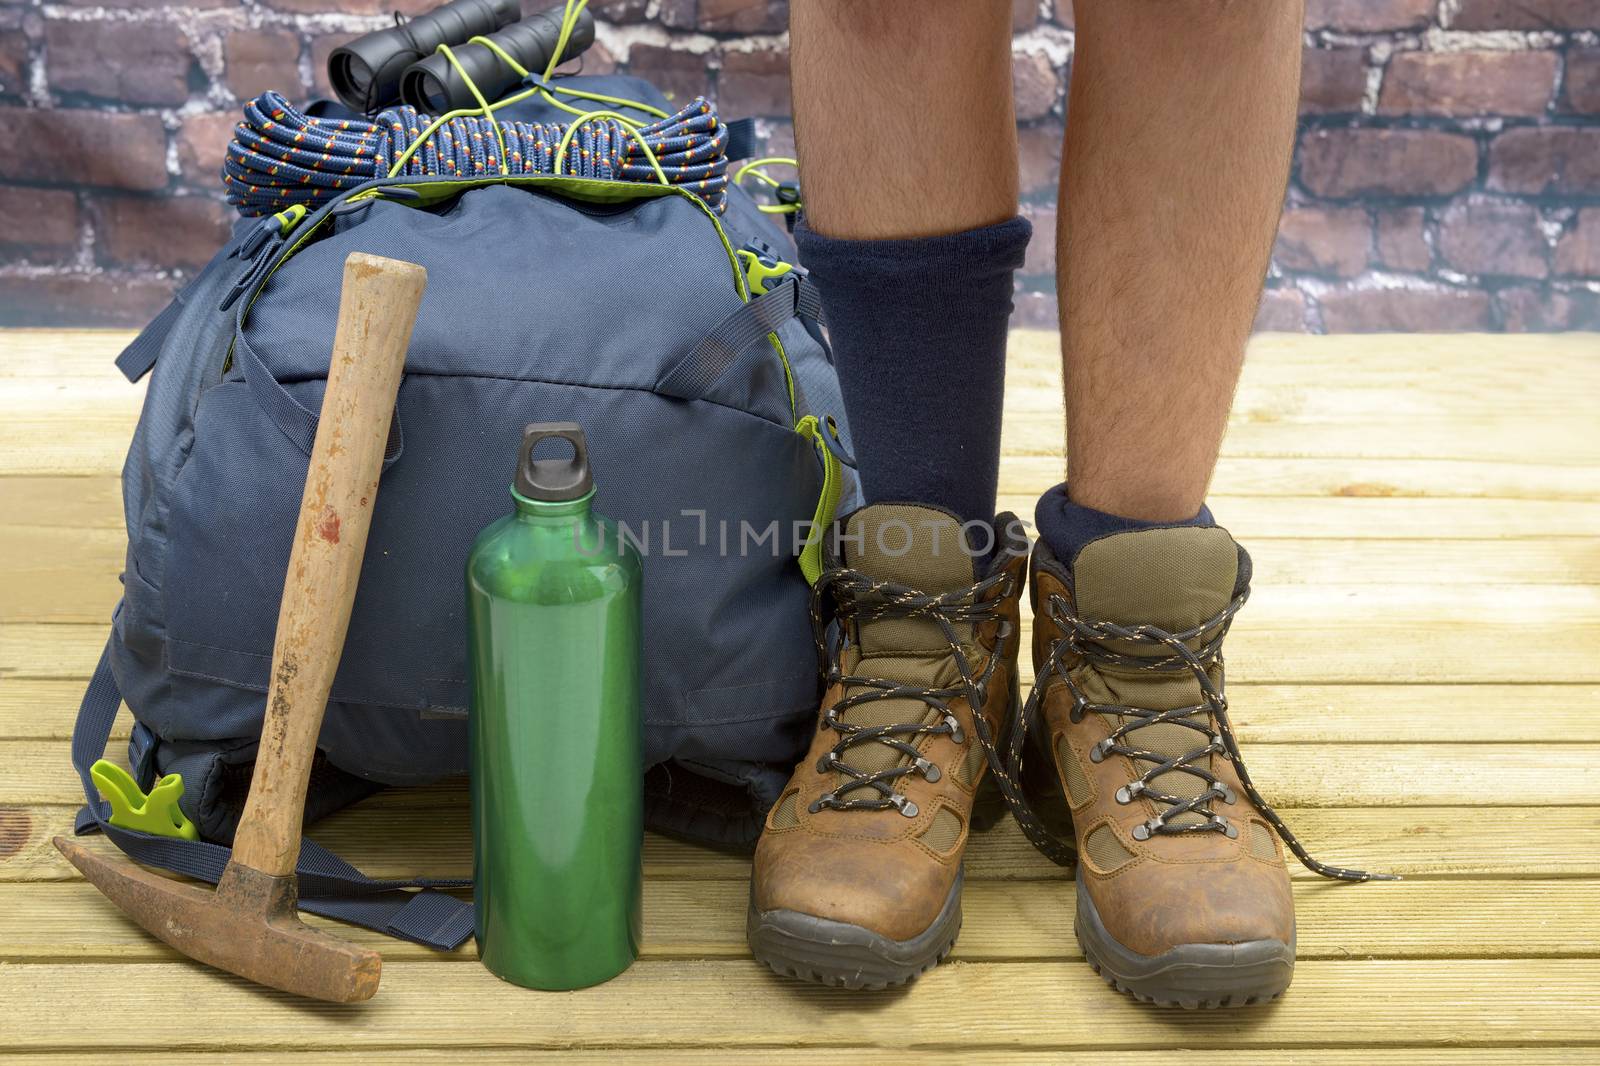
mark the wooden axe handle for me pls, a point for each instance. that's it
(377, 308)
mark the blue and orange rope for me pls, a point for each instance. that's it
(279, 156)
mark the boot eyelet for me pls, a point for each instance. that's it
(1228, 795)
(929, 771)
(825, 763)
(815, 807)
(907, 808)
(1126, 793)
(1228, 827)
(1099, 752)
(956, 733)
(1141, 831)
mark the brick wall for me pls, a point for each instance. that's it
(1447, 174)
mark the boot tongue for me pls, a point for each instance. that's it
(1175, 578)
(920, 547)
(925, 549)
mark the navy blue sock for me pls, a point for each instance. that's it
(918, 329)
(1066, 526)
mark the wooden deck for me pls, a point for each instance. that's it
(1416, 682)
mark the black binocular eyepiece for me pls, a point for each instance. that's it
(434, 86)
(366, 73)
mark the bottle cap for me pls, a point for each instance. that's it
(553, 480)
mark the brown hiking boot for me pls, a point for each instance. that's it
(1182, 894)
(857, 878)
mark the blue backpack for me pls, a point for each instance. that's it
(704, 389)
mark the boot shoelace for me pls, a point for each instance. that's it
(1087, 639)
(861, 599)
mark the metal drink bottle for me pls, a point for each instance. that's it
(557, 790)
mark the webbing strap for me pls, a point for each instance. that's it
(741, 139)
(329, 886)
(296, 423)
(694, 375)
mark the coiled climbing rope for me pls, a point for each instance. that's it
(279, 156)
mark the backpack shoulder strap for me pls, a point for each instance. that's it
(329, 886)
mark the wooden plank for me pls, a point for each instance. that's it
(1262, 714)
(843, 1052)
(407, 832)
(1360, 477)
(70, 574)
(1297, 775)
(676, 1003)
(95, 502)
(1475, 633)
(1002, 920)
(1256, 518)
(69, 411)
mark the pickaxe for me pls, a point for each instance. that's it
(250, 925)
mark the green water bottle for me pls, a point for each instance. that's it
(557, 801)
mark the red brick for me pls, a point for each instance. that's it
(411, 8)
(1578, 250)
(743, 16)
(1332, 80)
(1581, 95)
(1024, 15)
(1378, 162)
(71, 147)
(1527, 15)
(598, 60)
(680, 75)
(1468, 83)
(1401, 243)
(1546, 160)
(1495, 239)
(1281, 311)
(754, 83)
(679, 14)
(1404, 310)
(202, 140)
(1324, 240)
(620, 10)
(13, 59)
(1034, 85)
(322, 46)
(1041, 255)
(1034, 309)
(779, 139)
(85, 57)
(1039, 151)
(1368, 15)
(258, 60)
(82, 300)
(41, 224)
(1526, 309)
(176, 232)
(145, 4)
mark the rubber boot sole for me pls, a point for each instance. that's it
(1191, 976)
(827, 952)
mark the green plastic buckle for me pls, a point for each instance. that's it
(761, 271)
(157, 813)
(289, 218)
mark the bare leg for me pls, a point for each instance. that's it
(908, 168)
(935, 151)
(1180, 130)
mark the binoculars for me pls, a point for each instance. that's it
(402, 62)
